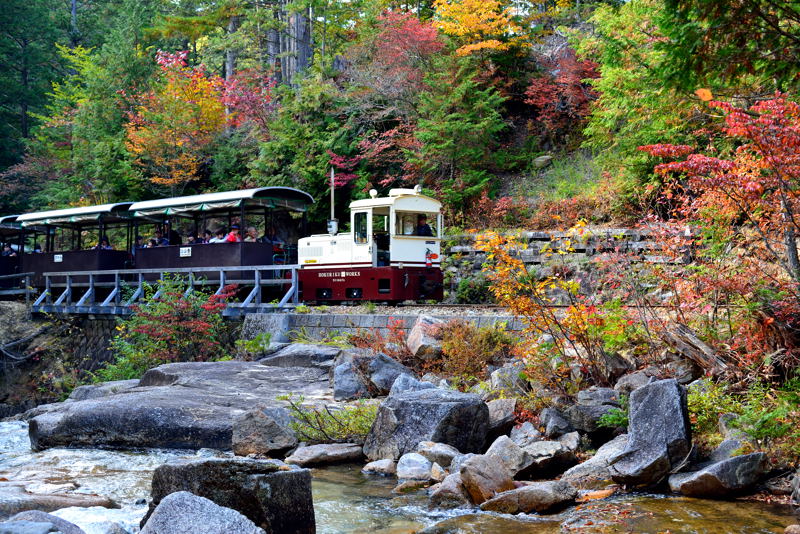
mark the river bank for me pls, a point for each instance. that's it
(348, 502)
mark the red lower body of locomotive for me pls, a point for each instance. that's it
(390, 284)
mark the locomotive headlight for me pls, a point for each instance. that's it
(400, 265)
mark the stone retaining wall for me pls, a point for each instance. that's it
(318, 325)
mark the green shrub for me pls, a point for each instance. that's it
(349, 424)
(616, 417)
(248, 348)
(474, 290)
(175, 327)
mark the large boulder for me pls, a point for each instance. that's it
(422, 344)
(96, 391)
(502, 417)
(595, 470)
(659, 434)
(275, 496)
(348, 383)
(443, 416)
(554, 423)
(450, 493)
(509, 379)
(257, 432)
(440, 453)
(405, 383)
(539, 497)
(184, 513)
(525, 434)
(37, 516)
(15, 498)
(796, 487)
(380, 467)
(414, 466)
(326, 453)
(721, 479)
(630, 382)
(28, 527)
(512, 455)
(188, 405)
(362, 373)
(592, 404)
(303, 355)
(547, 459)
(484, 477)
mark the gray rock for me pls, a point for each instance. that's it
(501, 416)
(484, 477)
(450, 493)
(539, 497)
(15, 499)
(458, 461)
(684, 371)
(405, 383)
(275, 496)
(547, 459)
(595, 469)
(432, 378)
(726, 449)
(659, 434)
(256, 432)
(413, 466)
(326, 453)
(525, 434)
(571, 441)
(438, 473)
(586, 418)
(508, 379)
(380, 467)
(443, 416)
(555, 424)
(615, 365)
(96, 391)
(721, 479)
(796, 487)
(421, 343)
(185, 513)
(630, 382)
(440, 453)
(512, 455)
(303, 355)
(383, 371)
(27, 527)
(597, 396)
(348, 383)
(188, 405)
(36, 516)
(542, 161)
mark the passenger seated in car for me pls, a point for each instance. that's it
(219, 236)
(233, 236)
(161, 241)
(37, 248)
(152, 243)
(103, 244)
(252, 235)
(423, 229)
(207, 236)
(8, 252)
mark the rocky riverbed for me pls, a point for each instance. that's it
(441, 461)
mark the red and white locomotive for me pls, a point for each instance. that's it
(391, 253)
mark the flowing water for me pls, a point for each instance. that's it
(347, 502)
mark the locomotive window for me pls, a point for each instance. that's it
(360, 227)
(406, 222)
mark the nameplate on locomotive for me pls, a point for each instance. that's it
(185, 252)
(58, 258)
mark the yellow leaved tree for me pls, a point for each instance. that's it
(479, 24)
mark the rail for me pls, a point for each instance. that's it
(115, 292)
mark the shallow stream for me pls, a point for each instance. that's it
(347, 502)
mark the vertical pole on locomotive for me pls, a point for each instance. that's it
(333, 222)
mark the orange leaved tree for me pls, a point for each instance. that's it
(172, 126)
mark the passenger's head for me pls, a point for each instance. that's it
(422, 218)
(251, 231)
(159, 233)
(138, 239)
(152, 243)
(7, 247)
(220, 233)
(104, 241)
(235, 228)
(207, 234)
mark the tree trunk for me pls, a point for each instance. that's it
(231, 53)
(73, 20)
(25, 83)
(790, 242)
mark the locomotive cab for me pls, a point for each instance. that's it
(392, 252)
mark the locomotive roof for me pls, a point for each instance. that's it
(268, 197)
(76, 216)
(407, 199)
